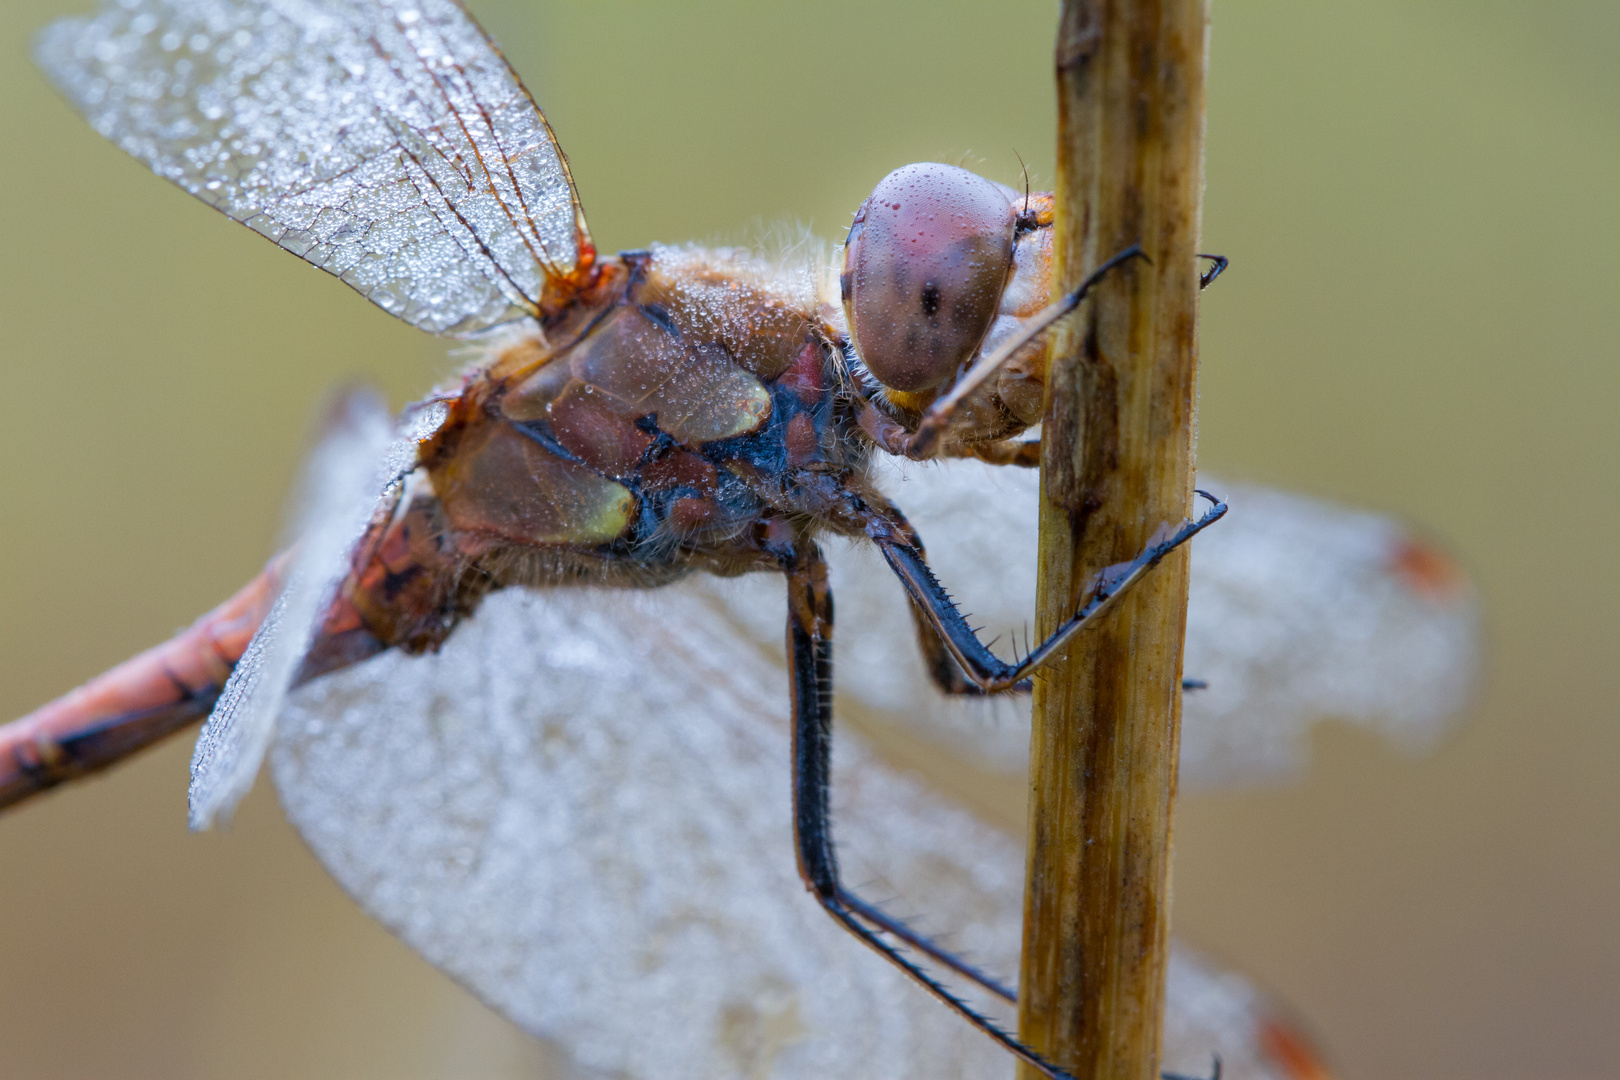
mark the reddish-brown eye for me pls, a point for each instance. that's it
(924, 267)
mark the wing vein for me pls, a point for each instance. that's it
(310, 120)
(542, 256)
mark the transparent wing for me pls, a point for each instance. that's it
(1299, 611)
(1305, 611)
(384, 141)
(343, 481)
(580, 809)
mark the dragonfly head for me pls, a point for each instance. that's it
(925, 265)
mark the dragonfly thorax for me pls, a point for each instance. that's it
(691, 404)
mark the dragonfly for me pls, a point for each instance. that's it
(551, 562)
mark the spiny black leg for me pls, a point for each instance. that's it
(945, 672)
(1205, 280)
(941, 666)
(1115, 581)
(989, 671)
(810, 671)
(1008, 1041)
(810, 642)
(884, 921)
(947, 675)
(937, 418)
(810, 662)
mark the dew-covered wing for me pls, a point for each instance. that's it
(384, 141)
(580, 809)
(1299, 611)
(342, 483)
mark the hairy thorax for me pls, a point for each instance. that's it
(685, 413)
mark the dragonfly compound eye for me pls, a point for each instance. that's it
(924, 268)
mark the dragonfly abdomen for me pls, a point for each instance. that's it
(137, 703)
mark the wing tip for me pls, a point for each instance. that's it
(52, 50)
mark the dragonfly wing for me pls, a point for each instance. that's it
(386, 142)
(342, 485)
(1299, 611)
(1303, 610)
(580, 808)
(1213, 1010)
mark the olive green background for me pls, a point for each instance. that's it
(1420, 203)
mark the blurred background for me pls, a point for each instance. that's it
(1419, 202)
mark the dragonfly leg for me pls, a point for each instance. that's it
(1026, 454)
(942, 668)
(949, 678)
(988, 671)
(1023, 454)
(947, 675)
(938, 417)
(810, 645)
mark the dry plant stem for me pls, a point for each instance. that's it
(1116, 464)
